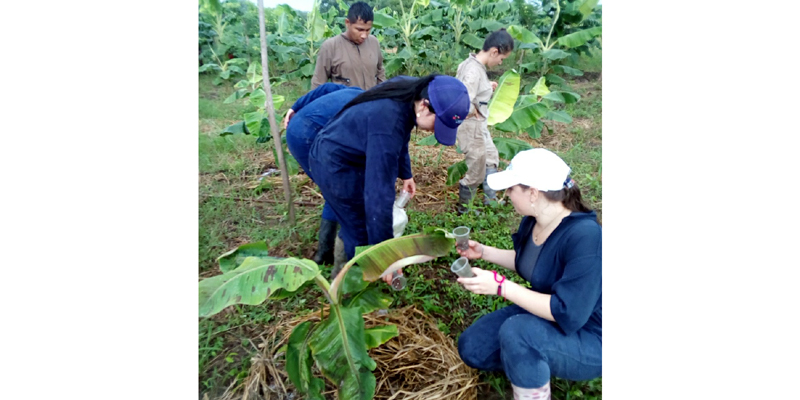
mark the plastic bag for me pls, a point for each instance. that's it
(399, 221)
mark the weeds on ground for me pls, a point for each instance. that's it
(235, 208)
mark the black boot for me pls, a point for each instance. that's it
(488, 193)
(327, 237)
(465, 194)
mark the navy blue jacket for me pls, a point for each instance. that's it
(569, 268)
(320, 112)
(362, 153)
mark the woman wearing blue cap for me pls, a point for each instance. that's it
(555, 327)
(357, 157)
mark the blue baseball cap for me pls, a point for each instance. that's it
(450, 101)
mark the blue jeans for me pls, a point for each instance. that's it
(299, 135)
(529, 349)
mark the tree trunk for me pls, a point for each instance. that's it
(276, 133)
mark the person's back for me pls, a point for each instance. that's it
(353, 58)
(356, 129)
(322, 109)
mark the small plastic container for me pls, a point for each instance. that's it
(398, 281)
(462, 238)
(402, 200)
(461, 268)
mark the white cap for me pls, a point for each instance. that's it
(538, 168)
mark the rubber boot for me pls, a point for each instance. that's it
(488, 194)
(339, 257)
(327, 237)
(465, 194)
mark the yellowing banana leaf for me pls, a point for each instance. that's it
(299, 362)
(501, 105)
(253, 282)
(338, 348)
(540, 88)
(392, 254)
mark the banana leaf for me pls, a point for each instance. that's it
(234, 258)
(379, 335)
(586, 8)
(253, 282)
(540, 89)
(382, 20)
(367, 301)
(491, 25)
(523, 117)
(563, 97)
(567, 70)
(559, 116)
(507, 148)
(390, 255)
(455, 172)
(579, 38)
(299, 362)
(524, 35)
(428, 141)
(236, 95)
(318, 25)
(258, 98)
(235, 128)
(501, 105)
(338, 347)
(472, 41)
(252, 121)
(555, 54)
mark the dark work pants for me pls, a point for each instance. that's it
(529, 349)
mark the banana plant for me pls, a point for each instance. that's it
(540, 103)
(338, 344)
(254, 122)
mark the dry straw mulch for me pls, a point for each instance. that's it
(420, 363)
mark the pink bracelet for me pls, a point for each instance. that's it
(499, 281)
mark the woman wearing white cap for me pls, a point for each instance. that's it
(555, 327)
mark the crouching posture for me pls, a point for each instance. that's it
(555, 327)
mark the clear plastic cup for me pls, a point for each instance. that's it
(461, 268)
(398, 281)
(462, 238)
(402, 200)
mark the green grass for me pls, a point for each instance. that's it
(234, 211)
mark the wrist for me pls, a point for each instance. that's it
(483, 249)
(500, 279)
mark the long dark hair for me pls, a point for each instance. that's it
(404, 90)
(570, 197)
